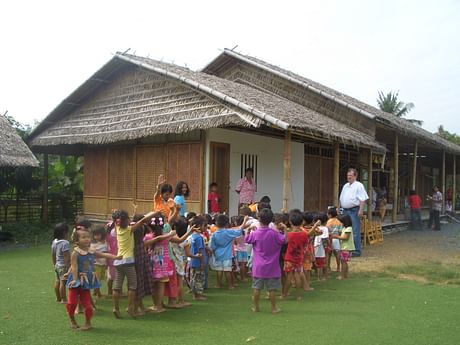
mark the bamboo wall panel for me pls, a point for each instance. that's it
(95, 172)
(312, 183)
(95, 207)
(150, 164)
(121, 172)
(327, 175)
(121, 204)
(196, 172)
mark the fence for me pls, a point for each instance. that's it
(29, 208)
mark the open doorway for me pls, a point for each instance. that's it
(220, 171)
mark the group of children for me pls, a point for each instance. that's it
(158, 251)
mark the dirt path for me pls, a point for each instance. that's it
(412, 247)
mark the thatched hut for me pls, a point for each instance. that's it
(13, 151)
(136, 118)
(416, 158)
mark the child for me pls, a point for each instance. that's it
(82, 278)
(415, 203)
(221, 246)
(125, 267)
(179, 257)
(254, 207)
(197, 252)
(266, 271)
(100, 264)
(321, 246)
(182, 191)
(162, 201)
(309, 252)
(213, 199)
(335, 228)
(347, 245)
(241, 250)
(112, 248)
(60, 255)
(281, 221)
(157, 245)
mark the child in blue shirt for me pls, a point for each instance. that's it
(221, 246)
(197, 252)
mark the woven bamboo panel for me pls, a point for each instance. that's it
(312, 183)
(121, 172)
(95, 206)
(121, 204)
(95, 172)
(327, 174)
(184, 164)
(150, 163)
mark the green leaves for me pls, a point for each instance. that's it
(389, 103)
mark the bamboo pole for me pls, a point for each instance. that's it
(414, 166)
(370, 188)
(336, 173)
(287, 170)
(443, 177)
(45, 217)
(454, 181)
(394, 216)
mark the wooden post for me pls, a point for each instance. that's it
(287, 170)
(370, 188)
(414, 166)
(45, 218)
(336, 175)
(443, 177)
(394, 216)
(454, 181)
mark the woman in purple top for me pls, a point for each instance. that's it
(266, 270)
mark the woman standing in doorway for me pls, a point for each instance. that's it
(246, 188)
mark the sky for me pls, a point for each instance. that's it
(49, 48)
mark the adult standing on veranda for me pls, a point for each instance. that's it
(436, 208)
(246, 188)
(352, 199)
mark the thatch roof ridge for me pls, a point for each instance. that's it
(13, 151)
(270, 108)
(365, 109)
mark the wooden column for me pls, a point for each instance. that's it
(454, 181)
(443, 178)
(336, 173)
(287, 170)
(371, 190)
(414, 166)
(394, 216)
(45, 218)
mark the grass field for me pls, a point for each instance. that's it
(365, 309)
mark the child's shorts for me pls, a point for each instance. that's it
(242, 256)
(268, 283)
(307, 262)
(128, 271)
(100, 272)
(345, 255)
(60, 271)
(320, 262)
(292, 267)
(221, 265)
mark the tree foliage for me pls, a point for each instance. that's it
(452, 137)
(389, 103)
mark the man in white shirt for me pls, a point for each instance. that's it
(352, 199)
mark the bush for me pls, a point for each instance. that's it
(34, 233)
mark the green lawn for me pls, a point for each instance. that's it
(362, 310)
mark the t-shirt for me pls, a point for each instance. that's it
(221, 243)
(415, 202)
(100, 248)
(197, 246)
(437, 201)
(335, 227)
(266, 247)
(241, 245)
(180, 200)
(318, 243)
(58, 248)
(297, 241)
(160, 205)
(247, 190)
(213, 199)
(125, 240)
(347, 244)
(352, 195)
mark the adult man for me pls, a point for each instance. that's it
(352, 199)
(436, 208)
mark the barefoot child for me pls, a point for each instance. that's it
(293, 259)
(266, 271)
(221, 246)
(335, 228)
(347, 246)
(197, 252)
(320, 244)
(60, 255)
(309, 254)
(100, 264)
(82, 278)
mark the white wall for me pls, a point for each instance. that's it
(270, 166)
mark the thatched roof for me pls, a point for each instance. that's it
(13, 150)
(397, 124)
(75, 122)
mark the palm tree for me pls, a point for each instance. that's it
(389, 103)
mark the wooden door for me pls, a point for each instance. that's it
(220, 172)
